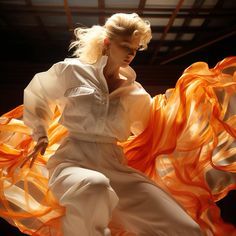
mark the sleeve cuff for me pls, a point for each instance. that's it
(40, 131)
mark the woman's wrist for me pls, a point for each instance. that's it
(43, 138)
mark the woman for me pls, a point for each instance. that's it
(89, 180)
(101, 104)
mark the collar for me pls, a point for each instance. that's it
(126, 72)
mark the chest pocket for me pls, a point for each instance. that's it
(79, 91)
(79, 100)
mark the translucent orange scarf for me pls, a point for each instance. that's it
(188, 148)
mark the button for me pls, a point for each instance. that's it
(104, 98)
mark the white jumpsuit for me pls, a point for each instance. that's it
(88, 172)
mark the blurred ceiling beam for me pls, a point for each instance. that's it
(166, 29)
(193, 48)
(68, 15)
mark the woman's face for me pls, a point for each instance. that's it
(121, 51)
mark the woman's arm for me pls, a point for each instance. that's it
(140, 107)
(41, 97)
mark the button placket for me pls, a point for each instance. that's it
(103, 110)
(104, 97)
(105, 102)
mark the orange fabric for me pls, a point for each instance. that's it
(25, 199)
(191, 132)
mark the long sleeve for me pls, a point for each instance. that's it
(139, 111)
(40, 99)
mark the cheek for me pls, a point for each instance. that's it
(118, 53)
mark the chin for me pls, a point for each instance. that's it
(124, 65)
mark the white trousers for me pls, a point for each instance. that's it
(96, 187)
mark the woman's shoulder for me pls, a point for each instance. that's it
(72, 64)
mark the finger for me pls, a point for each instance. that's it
(27, 158)
(43, 149)
(23, 163)
(40, 147)
(32, 161)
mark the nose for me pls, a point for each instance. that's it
(132, 52)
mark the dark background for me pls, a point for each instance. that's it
(36, 34)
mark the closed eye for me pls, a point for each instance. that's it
(129, 48)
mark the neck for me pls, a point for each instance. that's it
(111, 71)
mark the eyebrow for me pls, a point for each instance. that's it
(126, 43)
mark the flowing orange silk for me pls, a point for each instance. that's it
(25, 200)
(188, 148)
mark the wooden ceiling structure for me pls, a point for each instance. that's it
(180, 27)
(37, 33)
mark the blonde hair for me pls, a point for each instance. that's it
(89, 43)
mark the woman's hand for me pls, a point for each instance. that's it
(40, 147)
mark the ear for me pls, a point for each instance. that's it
(106, 41)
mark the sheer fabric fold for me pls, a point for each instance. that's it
(188, 148)
(25, 200)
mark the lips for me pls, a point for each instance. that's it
(127, 60)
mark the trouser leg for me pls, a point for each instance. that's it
(145, 209)
(88, 199)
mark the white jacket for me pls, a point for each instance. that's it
(81, 93)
